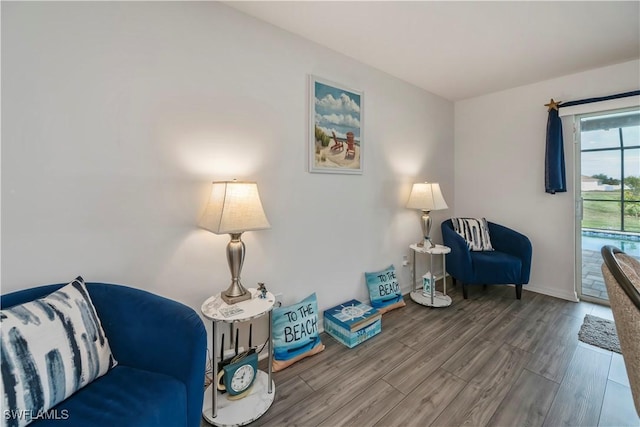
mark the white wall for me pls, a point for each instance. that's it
(499, 166)
(117, 116)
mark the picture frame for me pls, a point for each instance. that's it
(336, 128)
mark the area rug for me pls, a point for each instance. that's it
(599, 332)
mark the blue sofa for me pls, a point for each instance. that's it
(160, 346)
(508, 264)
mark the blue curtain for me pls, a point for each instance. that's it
(554, 175)
(555, 180)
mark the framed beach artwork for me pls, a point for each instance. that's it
(335, 128)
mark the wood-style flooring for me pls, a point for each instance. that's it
(490, 360)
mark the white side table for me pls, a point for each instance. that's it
(437, 298)
(217, 409)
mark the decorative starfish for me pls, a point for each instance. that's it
(553, 105)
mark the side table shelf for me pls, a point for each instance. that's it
(436, 299)
(216, 408)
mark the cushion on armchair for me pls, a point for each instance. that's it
(126, 396)
(51, 347)
(475, 232)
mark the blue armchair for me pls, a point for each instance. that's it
(509, 263)
(160, 346)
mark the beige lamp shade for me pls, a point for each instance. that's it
(426, 196)
(234, 207)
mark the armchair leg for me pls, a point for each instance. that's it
(464, 291)
(518, 291)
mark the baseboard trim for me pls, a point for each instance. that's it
(569, 296)
(573, 297)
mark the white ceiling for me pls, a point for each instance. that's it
(460, 50)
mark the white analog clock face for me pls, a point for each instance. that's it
(242, 378)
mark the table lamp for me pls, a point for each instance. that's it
(234, 207)
(427, 197)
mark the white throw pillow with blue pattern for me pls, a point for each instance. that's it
(475, 232)
(51, 347)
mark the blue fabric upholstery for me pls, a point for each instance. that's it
(160, 346)
(509, 263)
(126, 396)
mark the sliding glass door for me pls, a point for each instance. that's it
(609, 176)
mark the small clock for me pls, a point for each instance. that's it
(238, 376)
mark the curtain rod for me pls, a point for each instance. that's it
(558, 104)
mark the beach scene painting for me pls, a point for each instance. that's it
(336, 129)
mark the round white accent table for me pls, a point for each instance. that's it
(216, 408)
(437, 298)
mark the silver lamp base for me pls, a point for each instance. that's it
(426, 243)
(425, 224)
(235, 293)
(233, 300)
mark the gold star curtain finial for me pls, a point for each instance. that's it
(553, 105)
